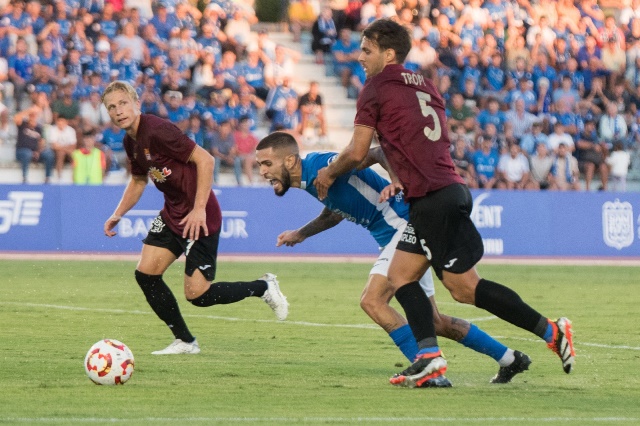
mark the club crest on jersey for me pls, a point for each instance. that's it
(158, 175)
(147, 154)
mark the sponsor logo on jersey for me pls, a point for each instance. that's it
(21, 208)
(617, 224)
(158, 175)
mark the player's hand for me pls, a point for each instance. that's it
(389, 191)
(193, 222)
(110, 224)
(289, 238)
(323, 182)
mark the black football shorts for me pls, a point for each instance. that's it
(201, 254)
(440, 227)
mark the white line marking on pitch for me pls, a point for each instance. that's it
(534, 420)
(303, 323)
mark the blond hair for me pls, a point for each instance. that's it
(123, 86)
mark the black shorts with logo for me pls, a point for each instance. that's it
(201, 254)
(440, 227)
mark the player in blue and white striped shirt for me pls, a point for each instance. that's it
(355, 196)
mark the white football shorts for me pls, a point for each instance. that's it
(381, 266)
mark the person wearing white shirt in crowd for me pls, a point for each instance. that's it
(613, 126)
(513, 168)
(519, 120)
(618, 161)
(559, 136)
(62, 140)
(93, 114)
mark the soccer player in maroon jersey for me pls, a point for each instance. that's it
(407, 114)
(189, 222)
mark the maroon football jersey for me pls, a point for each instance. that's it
(409, 116)
(161, 151)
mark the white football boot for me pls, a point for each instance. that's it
(274, 297)
(179, 347)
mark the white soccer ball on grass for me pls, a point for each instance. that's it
(109, 362)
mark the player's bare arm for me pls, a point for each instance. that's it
(197, 218)
(130, 198)
(325, 220)
(349, 158)
(376, 156)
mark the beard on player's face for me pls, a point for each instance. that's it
(285, 182)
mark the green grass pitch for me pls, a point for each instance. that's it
(327, 364)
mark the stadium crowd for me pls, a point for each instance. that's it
(203, 68)
(537, 92)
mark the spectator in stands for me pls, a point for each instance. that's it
(176, 113)
(493, 115)
(130, 40)
(590, 155)
(530, 140)
(564, 115)
(62, 139)
(93, 114)
(542, 69)
(30, 145)
(619, 161)
(195, 130)
(288, 119)
(312, 120)
(66, 106)
(356, 82)
(558, 137)
(420, 57)
(485, 162)
(248, 105)
(252, 69)
(163, 21)
(89, 162)
(494, 81)
(524, 92)
(219, 107)
(345, 53)
(513, 169)
(463, 161)
(21, 69)
(630, 12)
(540, 166)
(566, 93)
(564, 171)
(612, 127)
(280, 68)
(458, 113)
(614, 58)
(519, 120)
(587, 52)
(301, 17)
(203, 78)
(246, 142)
(277, 97)
(225, 152)
(324, 34)
(110, 141)
(238, 31)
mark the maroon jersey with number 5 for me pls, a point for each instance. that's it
(162, 152)
(409, 116)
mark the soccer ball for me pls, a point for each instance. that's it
(109, 362)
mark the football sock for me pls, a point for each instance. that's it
(164, 304)
(480, 341)
(223, 293)
(507, 359)
(548, 333)
(419, 313)
(507, 305)
(404, 340)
